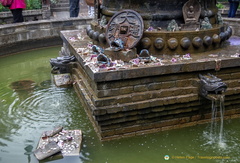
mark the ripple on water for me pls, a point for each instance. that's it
(228, 146)
(45, 106)
(41, 108)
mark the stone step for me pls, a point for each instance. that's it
(158, 97)
(61, 15)
(63, 1)
(59, 5)
(60, 9)
(148, 112)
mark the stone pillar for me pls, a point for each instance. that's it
(46, 9)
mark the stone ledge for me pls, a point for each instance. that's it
(136, 130)
(29, 15)
(8, 14)
(34, 32)
(169, 68)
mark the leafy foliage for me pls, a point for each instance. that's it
(3, 8)
(31, 5)
(220, 5)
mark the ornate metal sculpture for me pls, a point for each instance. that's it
(117, 44)
(139, 28)
(205, 24)
(126, 26)
(191, 11)
(97, 49)
(103, 59)
(173, 26)
(211, 85)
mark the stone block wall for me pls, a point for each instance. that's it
(28, 35)
(131, 107)
(29, 15)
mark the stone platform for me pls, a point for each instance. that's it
(151, 98)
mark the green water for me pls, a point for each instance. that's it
(26, 114)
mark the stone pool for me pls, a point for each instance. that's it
(26, 113)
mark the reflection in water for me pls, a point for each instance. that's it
(24, 116)
(23, 85)
(28, 152)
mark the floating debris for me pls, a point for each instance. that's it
(48, 150)
(68, 142)
(23, 85)
(52, 132)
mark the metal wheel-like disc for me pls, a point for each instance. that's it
(126, 25)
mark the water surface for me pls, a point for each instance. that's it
(26, 114)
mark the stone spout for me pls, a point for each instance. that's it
(211, 85)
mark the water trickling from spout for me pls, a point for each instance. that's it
(222, 110)
(213, 124)
(214, 127)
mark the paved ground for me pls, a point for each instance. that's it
(65, 14)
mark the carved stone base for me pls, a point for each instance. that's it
(124, 55)
(190, 26)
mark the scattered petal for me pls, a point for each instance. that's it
(187, 56)
(235, 55)
(213, 55)
(173, 60)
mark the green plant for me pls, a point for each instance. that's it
(2, 8)
(220, 5)
(31, 4)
